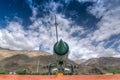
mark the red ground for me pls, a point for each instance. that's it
(75, 77)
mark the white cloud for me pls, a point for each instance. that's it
(39, 33)
(34, 12)
(109, 25)
(118, 47)
(13, 37)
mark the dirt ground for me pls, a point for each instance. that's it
(73, 77)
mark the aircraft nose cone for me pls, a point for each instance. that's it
(61, 48)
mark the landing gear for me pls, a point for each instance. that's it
(54, 69)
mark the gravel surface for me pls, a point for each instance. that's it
(72, 77)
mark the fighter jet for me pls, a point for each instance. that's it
(61, 52)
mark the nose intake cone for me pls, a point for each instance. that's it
(61, 48)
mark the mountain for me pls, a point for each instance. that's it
(14, 60)
(4, 53)
(102, 65)
(103, 61)
(4, 48)
(22, 61)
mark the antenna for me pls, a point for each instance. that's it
(56, 24)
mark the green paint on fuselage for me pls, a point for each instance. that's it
(61, 48)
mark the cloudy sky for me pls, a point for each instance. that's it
(90, 27)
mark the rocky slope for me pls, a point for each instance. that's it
(19, 60)
(11, 60)
(101, 65)
(4, 53)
